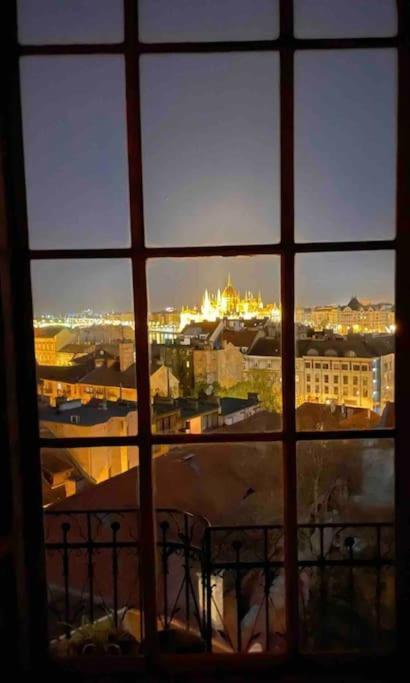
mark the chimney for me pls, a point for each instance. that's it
(126, 351)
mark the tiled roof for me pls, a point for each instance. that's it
(75, 348)
(191, 408)
(204, 327)
(232, 405)
(48, 332)
(111, 377)
(266, 346)
(91, 413)
(240, 338)
(64, 373)
(360, 345)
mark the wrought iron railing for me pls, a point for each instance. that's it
(223, 585)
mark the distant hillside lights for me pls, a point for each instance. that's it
(229, 304)
(89, 320)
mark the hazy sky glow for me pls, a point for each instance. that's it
(187, 20)
(105, 285)
(345, 18)
(210, 142)
(210, 132)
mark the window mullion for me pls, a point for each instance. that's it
(19, 375)
(402, 366)
(146, 494)
(288, 339)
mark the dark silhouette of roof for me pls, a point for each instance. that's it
(231, 405)
(48, 332)
(75, 348)
(361, 346)
(266, 346)
(240, 338)
(355, 304)
(91, 413)
(64, 373)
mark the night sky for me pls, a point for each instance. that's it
(210, 133)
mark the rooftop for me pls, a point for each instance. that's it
(240, 338)
(91, 413)
(266, 346)
(77, 348)
(48, 332)
(231, 405)
(361, 346)
(64, 373)
(196, 329)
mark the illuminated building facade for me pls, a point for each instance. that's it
(229, 303)
(48, 341)
(355, 317)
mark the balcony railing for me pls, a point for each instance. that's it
(221, 588)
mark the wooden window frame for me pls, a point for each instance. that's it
(23, 438)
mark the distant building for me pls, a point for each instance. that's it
(229, 303)
(48, 341)
(347, 371)
(179, 358)
(355, 317)
(357, 370)
(108, 372)
(204, 333)
(224, 366)
(94, 419)
(207, 413)
(62, 476)
(73, 353)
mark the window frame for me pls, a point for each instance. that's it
(22, 424)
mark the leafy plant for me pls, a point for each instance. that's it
(101, 637)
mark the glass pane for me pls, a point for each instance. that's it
(210, 144)
(92, 554)
(76, 166)
(345, 340)
(345, 18)
(220, 555)
(70, 21)
(346, 544)
(208, 20)
(214, 327)
(85, 348)
(345, 145)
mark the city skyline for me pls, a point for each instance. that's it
(102, 285)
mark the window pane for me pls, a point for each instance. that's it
(210, 143)
(214, 327)
(222, 507)
(346, 544)
(85, 349)
(75, 151)
(345, 145)
(70, 21)
(345, 18)
(345, 340)
(92, 555)
(208, 20)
